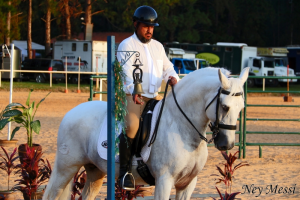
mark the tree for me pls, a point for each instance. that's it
(69, 9)
(8, 20)
(48, 28)
(88, 12)
(49, 7)
(8, 26)
(68, 17)
(29, 40)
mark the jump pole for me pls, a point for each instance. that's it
(110, 118)
(12, 48)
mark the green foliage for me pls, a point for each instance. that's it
(4, 9)
(120, 101)
(24, 116)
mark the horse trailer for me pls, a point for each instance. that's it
(5, 62)
(92, 54)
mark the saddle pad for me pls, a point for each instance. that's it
(145, 153)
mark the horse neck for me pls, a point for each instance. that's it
(192, 99)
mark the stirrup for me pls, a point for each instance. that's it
(127, 188)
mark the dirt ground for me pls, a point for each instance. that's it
(279, 166)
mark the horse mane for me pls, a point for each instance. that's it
(235, 83)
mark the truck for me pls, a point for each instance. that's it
(294, 58)
(184, 61)
(236, 56)
(92, 55)
(280, 62)
(259, 66)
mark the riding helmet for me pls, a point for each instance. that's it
(146, 15)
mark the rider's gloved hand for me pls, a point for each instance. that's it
(137, 99)
(172, 81)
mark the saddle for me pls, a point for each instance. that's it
(141, 139)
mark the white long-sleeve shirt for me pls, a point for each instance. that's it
(163, 68)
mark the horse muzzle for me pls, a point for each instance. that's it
(222, 142)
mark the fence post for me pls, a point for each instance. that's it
(245, 121)
(101, 85)
(50, 78)
(240, 134)
(66, 76)
(110, 118)
(91, 89)
(78, 90)
(97, 79)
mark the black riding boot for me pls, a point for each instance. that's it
(126, 179)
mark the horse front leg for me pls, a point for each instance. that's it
(163, 186)
(186, 193)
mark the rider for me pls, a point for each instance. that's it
(156, 66)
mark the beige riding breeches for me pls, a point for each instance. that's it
(134, 113)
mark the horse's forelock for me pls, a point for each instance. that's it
(236, 86)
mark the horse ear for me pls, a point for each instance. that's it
(244, 74)
(224, 80)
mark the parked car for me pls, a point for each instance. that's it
(42, 64)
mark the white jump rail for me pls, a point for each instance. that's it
(50, 72)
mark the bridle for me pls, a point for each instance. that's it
(214, 127)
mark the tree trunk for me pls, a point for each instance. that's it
(29, 50)
(7, 35)
(88, 12)
(48, 29)
(68, 22)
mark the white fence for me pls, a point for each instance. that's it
(56, 72)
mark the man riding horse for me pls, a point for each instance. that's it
(156, 66)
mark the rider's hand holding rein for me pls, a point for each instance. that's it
(136, 98)
(172, 81)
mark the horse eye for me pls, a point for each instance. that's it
(225, 108)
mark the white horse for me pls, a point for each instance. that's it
(178, 154)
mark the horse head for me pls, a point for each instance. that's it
(223, 110)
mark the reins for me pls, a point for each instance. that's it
(214, 127)
(159, 115)
(201, 136)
